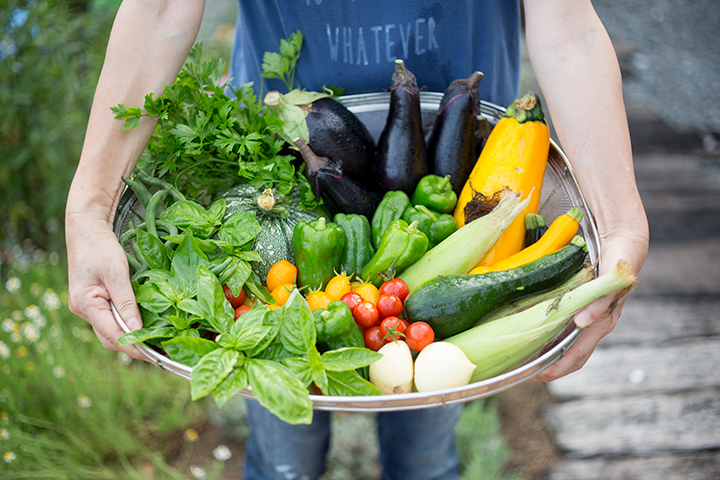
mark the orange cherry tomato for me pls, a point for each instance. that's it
(368, 292)
(282, 272)
(318, 299)
(338, 286)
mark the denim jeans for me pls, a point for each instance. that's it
(417, 445)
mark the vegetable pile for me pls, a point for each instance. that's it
(282, 250)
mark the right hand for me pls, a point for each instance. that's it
(98, 272)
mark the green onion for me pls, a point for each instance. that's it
(463, 250)
(497, 346)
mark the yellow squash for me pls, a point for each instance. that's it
(514, 157)
(559, 234)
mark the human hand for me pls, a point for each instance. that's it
(98, 272)
(600, 317)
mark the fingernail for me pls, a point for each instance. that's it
(134, 324)
(583, 319)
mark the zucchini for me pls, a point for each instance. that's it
(451, 304)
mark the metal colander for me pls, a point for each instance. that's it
(560, 193)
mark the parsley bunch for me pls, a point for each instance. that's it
(206, 141)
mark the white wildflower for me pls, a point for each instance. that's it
(32, 311)
(198, 472)
(30, 332)
(4, 434)
(86, 335)
(13, 284)
(16, 315)
(40, 321)
(34, 289)
(53, 258)
(124, 358)
(9, 457)
(9, 325)
(51, 300)
(15, 337)
(58, 371)
(76, 331)
(222, 453)
(83, 401)
(42, 346)
(4, 351)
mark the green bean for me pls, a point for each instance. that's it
(150, 212)
(168, 187)
(141, 191)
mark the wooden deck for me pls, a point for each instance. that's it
(647, 404)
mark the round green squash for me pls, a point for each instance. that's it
(277, 214)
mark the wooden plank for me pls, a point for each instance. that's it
(637, 424)
(636, 369)
(652, 319)
(680, 466)
(684, 268)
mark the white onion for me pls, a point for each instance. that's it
(442, 365)
(393, 373)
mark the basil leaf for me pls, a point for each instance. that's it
(144, 334)
(211, 299)
(348, 358)
(250, 337)
(255, 316)
(297, 325)
(273, 351)
(153, 250)
(254, 284)
(249, 255)
(185, 265)
(233, 383)
(191, 306)
(349, 383)
(280, 392)
(300, 368)
(216, 212)
(190, 216)
(317, 371)
(149, 297)
(167, 289)
(188, 350)
(181, 323)
(240, 228)
(211, 370)
(236, 278)
(266, 342)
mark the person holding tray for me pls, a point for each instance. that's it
(353, 45)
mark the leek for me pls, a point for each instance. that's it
(463, 250)
(497, 346)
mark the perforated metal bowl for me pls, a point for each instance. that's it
(560, 193)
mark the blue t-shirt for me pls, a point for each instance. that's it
(353, 44)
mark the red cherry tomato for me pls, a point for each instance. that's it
(241, 309)
(389, 305)
(419, 335)
(393, 328)
(374, 338)
(396, 287)
(352, 299)
(234, 301)
(366, 314)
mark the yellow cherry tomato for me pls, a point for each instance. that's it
(318, 299)
(281, 293)
(338, 286)
(281, 273)
(368, 292)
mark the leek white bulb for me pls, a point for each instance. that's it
(442, 365)
(393, 373)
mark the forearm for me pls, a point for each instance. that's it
(147, 47)
(578, 72)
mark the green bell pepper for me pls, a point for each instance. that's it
(318, 248)
(401, 246)
(336, 327)
(391, 208)
(358, 242)
(436, 226)
(435, 193)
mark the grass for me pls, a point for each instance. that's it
(69, 409)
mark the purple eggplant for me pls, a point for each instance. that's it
(336, 133)
(339, 192)
(451, 146)
(401, 158)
